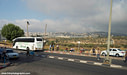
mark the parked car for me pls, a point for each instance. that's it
(11, 54)
(114, 52)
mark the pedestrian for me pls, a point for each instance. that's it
(98, 53)
(50, 47)
(93, 50)
(81, 50)
(28, 52)
(1, 52)
(4, 56)
(66, 49)
(125, 56)
(57, 47)
(53, 47)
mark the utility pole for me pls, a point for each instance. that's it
(107, 59)
(45, 36)
(45, 30)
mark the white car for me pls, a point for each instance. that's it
(11, 54)
(114, 52)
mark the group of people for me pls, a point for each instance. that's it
(93, 51)
(96, 52)
(51, 47)
(3, 55)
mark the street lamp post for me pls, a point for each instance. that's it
(107, 59)
(27, 29)
(45, 36)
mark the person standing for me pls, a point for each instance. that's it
(28, 52)
(93, 51)
(53, 47)
(1, 50)
(66, 49)
(4, 56)
(57, 47)
(125, 57)
(98, 53)
(50, 47)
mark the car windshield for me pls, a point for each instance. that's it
(9, 51)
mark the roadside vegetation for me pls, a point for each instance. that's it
(88, 42)
(11, 31)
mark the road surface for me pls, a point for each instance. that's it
(42, 65)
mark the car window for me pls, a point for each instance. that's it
(110, 50)
(114, 50)
(119, 49)
(9, 51)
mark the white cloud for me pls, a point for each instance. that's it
(75, 15)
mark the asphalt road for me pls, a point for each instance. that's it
(87, 58)
(47, 66)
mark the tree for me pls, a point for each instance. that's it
(11, 31)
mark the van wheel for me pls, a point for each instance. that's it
(16, 47)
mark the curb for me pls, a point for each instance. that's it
(88, 62)
(78, 54)
(6, 65)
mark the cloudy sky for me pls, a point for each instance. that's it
(64, 15)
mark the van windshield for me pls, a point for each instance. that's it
(39, 39)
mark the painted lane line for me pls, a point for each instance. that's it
(60, 58)
(51, 57)
(96, 63)
(55, 52)
(67, 53)
(61, 52)
(82, 61)
(116, 66)
(70, 59)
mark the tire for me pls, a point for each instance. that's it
(117, 55)
(103, 54)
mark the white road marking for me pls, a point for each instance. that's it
(116, 66)
(96, 63)
(67, 53)
(70, 59)
(61, 52)
(60, 58)
(51, 57)
(82, 61)
(55, 52)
